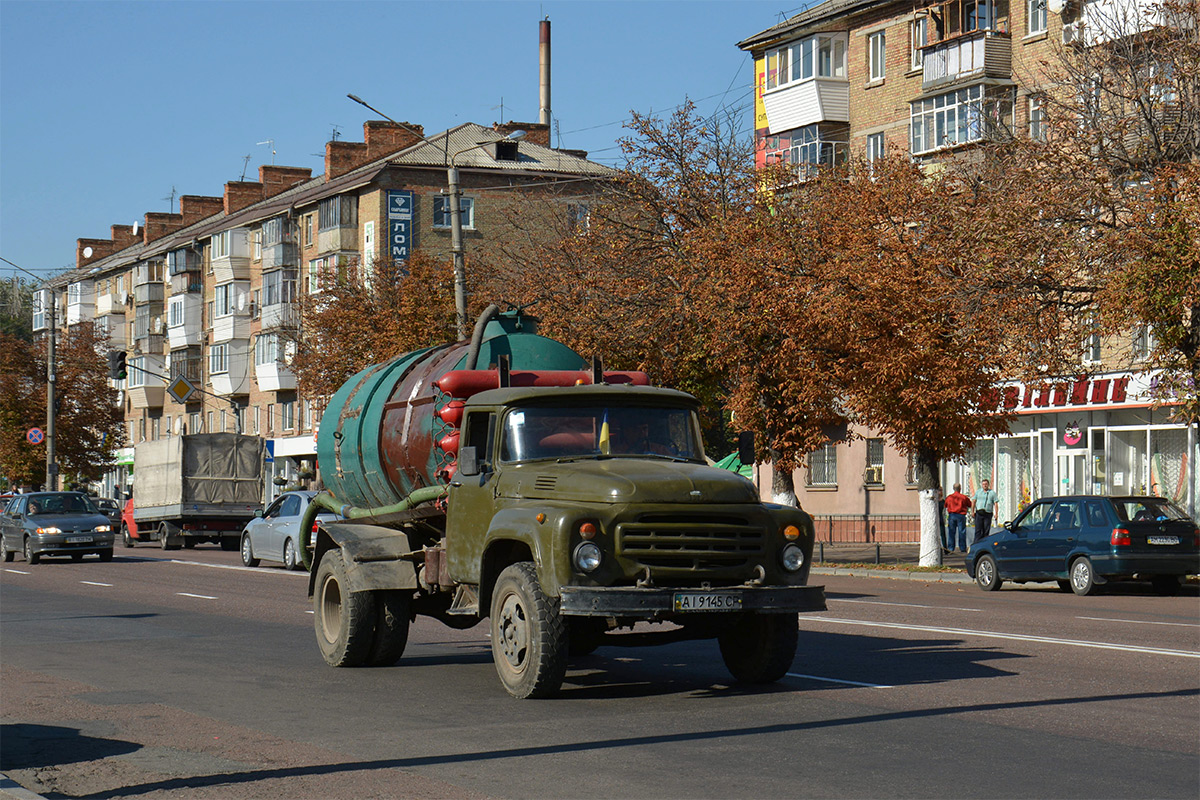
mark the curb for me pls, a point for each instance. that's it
(893, 574)
(11, 790)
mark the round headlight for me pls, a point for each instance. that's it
(587, 556)
(792, 558)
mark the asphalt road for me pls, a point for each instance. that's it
(184, 674)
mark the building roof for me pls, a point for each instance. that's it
(462, 141)
(807, 18)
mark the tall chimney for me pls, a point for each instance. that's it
(544, 71)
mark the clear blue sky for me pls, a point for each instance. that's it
(105, 106)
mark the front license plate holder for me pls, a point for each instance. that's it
(1162, 540)
(707, 601)
(79, 540)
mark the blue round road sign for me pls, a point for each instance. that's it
(35, 436)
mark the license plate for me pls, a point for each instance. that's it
(79, 539)
(1162, 540)
(707, 601)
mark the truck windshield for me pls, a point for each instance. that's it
(549, 432)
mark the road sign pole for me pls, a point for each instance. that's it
(51, 464)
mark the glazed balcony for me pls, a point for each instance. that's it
(969, 57)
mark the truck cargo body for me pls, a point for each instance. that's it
(196, 487)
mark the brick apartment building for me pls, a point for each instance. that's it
(205, 293)
(858, 78)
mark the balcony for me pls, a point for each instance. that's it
(108, 303)
(231, 327)
(231, 255)
(185, 326)
(980, 54)
(334, 239)
(806, 103)
(283, 254)
(111, 329)
(186, 282)
(234, 377)
(274, 377)
(144, 386)
(148, 293)
(187, 363)
(81, 305)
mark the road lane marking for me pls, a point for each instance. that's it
(1141, 621)
(93, 583)
(18, 571)
(906, 605)
(197, 596)
(238, 567)
(1020, 637)
(839, 680)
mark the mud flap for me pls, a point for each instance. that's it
(374, 556)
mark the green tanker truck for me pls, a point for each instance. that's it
(506, 478)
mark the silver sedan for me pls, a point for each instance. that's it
(274, 535)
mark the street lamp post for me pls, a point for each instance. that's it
(456, 241)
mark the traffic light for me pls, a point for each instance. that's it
(116, 365)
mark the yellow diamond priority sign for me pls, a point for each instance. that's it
(181, 389)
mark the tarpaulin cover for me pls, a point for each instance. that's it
(732, 463)
(222, 468)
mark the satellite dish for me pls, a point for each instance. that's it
(135, 228)
(241, 301)
(87, 252)
(1056, 6)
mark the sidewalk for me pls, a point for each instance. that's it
(884, 560)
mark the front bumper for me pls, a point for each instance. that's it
(57, 544)
(659, 603)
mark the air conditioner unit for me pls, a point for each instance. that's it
(873, 475)
(1072, 33)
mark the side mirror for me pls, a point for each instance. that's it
(746, 448)
(258, 512)
(468, 461)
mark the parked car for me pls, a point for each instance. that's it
(1083, 541)
(109, 508)
(274, 534)
(54, 524)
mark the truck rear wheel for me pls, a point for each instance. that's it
(529, 638)
(391, 628)
(164, 538)
(760, 648)
(344, 620)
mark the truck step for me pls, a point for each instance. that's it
(466, 600)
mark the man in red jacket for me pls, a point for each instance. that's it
(957, 506)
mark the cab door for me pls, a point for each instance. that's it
(470, 504)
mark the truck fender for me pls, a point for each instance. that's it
(374, 556)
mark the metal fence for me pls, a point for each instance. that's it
(869, 529)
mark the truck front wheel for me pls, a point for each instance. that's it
(344, 620)
(529, 638)
(761, 647)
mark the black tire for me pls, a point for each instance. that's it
(291, 560)
(344, 620)
(1064, 585)
(30, 556)
(586, 634)
(164, 538)
(392, 616)
(529, 638)
(1165, 585)
(7, 554)
(248, 551)
(106, 554)
(987, 575)
(1083, 577)
(230, 543)
(126, 539)
(761, 647)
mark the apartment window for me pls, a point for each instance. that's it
(578, 217)
(1036, 15)
(287, 415)
(224, 421)
(193, 422)
(1037, 118)
(279, 287)
(822, 466)
(142, 429)
(806, 149)
(210, 428)
(920, 37)
(218, 360)
(1091, 348)
(948, 119)
(877, 55)
(874, 474)
(272, 231)
(220, 244)
(910, 471)
(167, 426)
(266, 349)
(270, 417)
(820, 56)
(258, 245)
(308, 230)
(441, 212)
(874, 149)
(257, 420)
(225, 299)
(175, 312)
(136, 372)
(75, 293)
(1143, 343)
(337, 212)
(979, 15)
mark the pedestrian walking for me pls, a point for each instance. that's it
(957, 506)
(985, 502)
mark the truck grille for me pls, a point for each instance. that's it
(689, 542)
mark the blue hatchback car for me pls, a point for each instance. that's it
(1082, 541)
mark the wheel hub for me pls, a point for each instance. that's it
(514, 632)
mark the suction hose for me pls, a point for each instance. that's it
(326, 501)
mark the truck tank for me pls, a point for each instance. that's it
(393, 428)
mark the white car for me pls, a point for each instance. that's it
(274, 534)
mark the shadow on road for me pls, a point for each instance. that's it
(483, 756)
(26, 746)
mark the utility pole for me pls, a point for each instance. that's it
(51, 463)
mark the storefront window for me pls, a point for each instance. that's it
(1014, 477)
(1127, 462)
(1168, 459)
